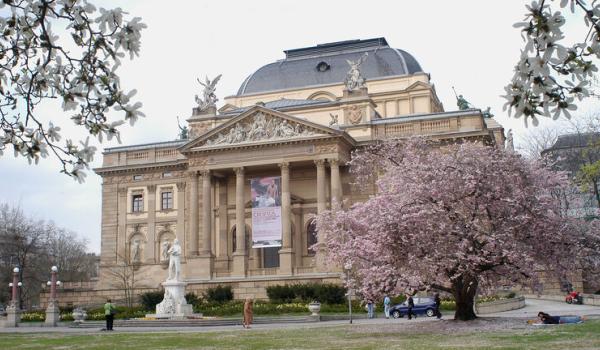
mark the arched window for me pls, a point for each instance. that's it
(311, 235)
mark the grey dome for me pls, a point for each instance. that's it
(326, 64)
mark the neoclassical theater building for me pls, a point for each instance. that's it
(299, 119)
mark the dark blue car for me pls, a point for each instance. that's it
(423, 306)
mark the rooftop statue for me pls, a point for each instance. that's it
(355, 80)
(209, 99)
(183, 131)
(510, 146)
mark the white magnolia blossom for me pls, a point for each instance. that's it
(550, 75)
(35, 65)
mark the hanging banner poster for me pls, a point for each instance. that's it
(266, 212)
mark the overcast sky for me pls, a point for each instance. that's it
(467, 44)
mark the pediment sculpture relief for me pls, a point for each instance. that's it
(261, 127)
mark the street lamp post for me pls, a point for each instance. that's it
(52, 311)
(13, 313)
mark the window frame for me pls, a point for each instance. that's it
(169, 200)
(137, 202)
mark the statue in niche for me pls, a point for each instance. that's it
(209, 99)
(354, 79)
(174, 261)
(164, 248)
(135, 251)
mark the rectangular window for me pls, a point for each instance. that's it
(167, 200)
(137, 177)
(167, 174)
(137, 203)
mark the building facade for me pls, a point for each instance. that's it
(299, 119)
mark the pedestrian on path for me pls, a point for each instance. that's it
(386, 306)
(109, 313)
(370, 308)
(438, 302)
(411, 304)
(248, 313)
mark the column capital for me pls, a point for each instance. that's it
(320, 162)
(284, 165)
(205, 172)
(122, 191)
(181, 186)
(239, 170)
(334, 162)
(151, 188)
(192, 173)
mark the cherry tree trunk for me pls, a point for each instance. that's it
(464, 290)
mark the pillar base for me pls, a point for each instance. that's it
(13, 317)
(52, 315)
(240, 265)
(286, 261)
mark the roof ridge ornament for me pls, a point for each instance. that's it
(354, 79)
(209, 99)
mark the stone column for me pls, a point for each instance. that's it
(150, 246)
(193, 244)
(297, 245)
(206, 267)
(122, 210)
(336, 183)
(222, 228)
(286, 255)
(180, 229)
(206, 213)
(321, 190)
(239, 257)
(321, 207)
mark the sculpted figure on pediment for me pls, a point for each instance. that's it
(260, 128)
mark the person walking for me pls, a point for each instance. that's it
(248, 313)
(411, 304)
(386, 306)
(370, 308)
(109, 313)
(438, 303)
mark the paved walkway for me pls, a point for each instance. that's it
(533, 306)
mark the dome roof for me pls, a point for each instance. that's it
(326, 64)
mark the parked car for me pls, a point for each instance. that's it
(423, 306)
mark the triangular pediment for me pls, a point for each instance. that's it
(419, 85)
(260, 125)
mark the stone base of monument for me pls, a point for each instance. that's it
(52, 315)
(13, 317)
(173, 306)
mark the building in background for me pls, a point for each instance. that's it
(296, 120)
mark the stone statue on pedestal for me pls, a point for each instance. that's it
(174, 261)
(510, 146)
(209, 99)
(354, 79)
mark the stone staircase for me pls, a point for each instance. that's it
(206, 322)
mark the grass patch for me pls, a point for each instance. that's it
(389, 336)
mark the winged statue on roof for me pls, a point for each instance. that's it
(354, 79)
(209, 99)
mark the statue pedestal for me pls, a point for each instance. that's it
(52, 314)
(173, 305)
(13, 316)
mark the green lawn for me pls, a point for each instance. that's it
(391, 336)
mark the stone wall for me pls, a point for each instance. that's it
(90, 294)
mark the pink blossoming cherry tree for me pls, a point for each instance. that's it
(462, 218)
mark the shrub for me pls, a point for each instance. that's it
(192, 299)
(326, 293)
(219, 294)
(149, 300)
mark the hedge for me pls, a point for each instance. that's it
(326, 293)
(219, 294)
